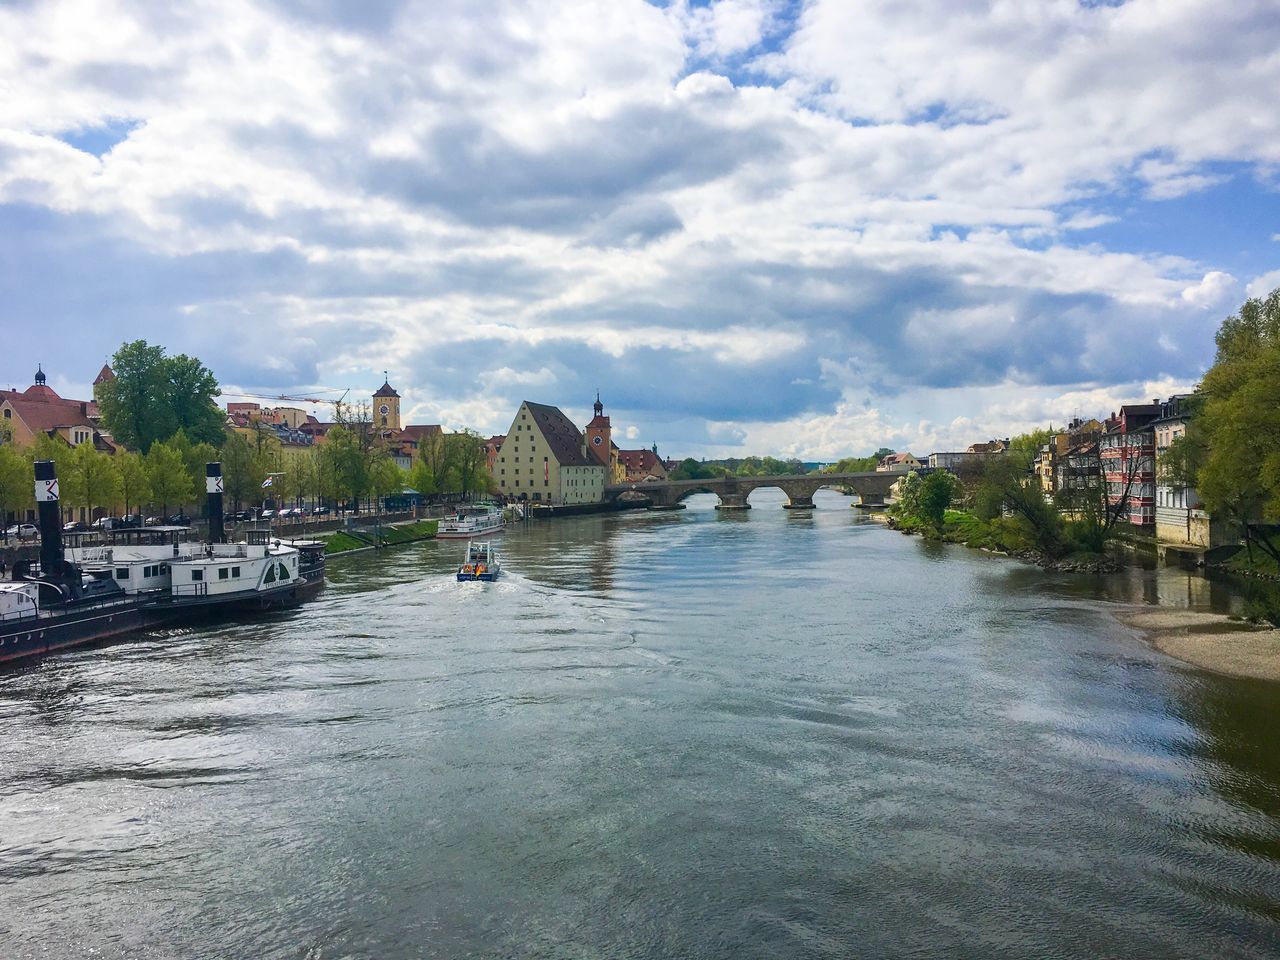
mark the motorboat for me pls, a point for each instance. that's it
(479, 563)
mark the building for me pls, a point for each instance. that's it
(989, 448)
(599, 433)
(545, 458)
(898, 463)
(1128, 456)
(1050, 459)
(641, 465)
(38, 409)
(1079, 470)
(1181, 519)
(491, 448)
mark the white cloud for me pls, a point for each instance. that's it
(1263, 285)
(499, 196)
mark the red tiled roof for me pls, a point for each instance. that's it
(641, 462)
(419, 431)
(386, 390)
(43, 410)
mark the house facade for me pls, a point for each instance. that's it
(545, 458)
(1128, 456)
(898, 463)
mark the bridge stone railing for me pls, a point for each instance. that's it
(733, 491)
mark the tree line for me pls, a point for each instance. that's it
(162, 409)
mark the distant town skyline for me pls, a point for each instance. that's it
(798, 229)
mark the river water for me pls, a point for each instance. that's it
(691, 734)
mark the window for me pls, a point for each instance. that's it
(197, 574)
(122, 573)
(223, 573)
(235, 571)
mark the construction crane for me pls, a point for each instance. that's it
(284, 396)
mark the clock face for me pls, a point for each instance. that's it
(384, 409)
(597, 440)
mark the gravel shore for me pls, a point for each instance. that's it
(1210, 641)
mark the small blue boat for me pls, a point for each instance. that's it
(481, 563)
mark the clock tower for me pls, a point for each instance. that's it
(600, 434)
(386, 406)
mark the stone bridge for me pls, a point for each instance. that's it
(871, 488)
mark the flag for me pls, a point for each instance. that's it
(267, 482)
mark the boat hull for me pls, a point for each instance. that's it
(35, 638)
(23, 641)
(467, 534)
(470, 577)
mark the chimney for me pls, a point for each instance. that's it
(49, 506)
(213, 497)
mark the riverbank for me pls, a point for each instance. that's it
(389, 535)
(1000, 537)
(1210, 641)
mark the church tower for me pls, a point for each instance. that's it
(600, 434)
(386, 406)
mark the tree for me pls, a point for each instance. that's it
(344, 462)
(385, 477)
(17, 482)
(168, 477)
(469, 461)
(89, 479)
(1237, 436)
(242, 470)
(1006, 486)
(152, 396)
(135, 485)
(936, 493)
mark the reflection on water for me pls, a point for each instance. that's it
(677, 734)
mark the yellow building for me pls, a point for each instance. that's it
(544, 458)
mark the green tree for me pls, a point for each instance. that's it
(1006, 486)
(168, 478)
(89, 479)
(385, 477)
(1236, 439)
(346, 466)
(135, 485)
(152, 396)
(242, 470)
(17, 482)
(937, 490)
(470, 465)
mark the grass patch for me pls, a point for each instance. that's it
(1261, 564)
(342, 542)
(407, 533)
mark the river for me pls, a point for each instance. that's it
(693, 734)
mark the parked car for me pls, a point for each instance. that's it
(104, 523)
(22, 531)
(74, 526)
(320, 512)
(180, 520)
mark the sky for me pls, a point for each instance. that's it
(805, 229)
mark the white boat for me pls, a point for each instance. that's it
(469, 522)
(480, 563)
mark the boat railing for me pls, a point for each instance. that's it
(190, 589)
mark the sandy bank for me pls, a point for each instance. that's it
(1211, 641)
